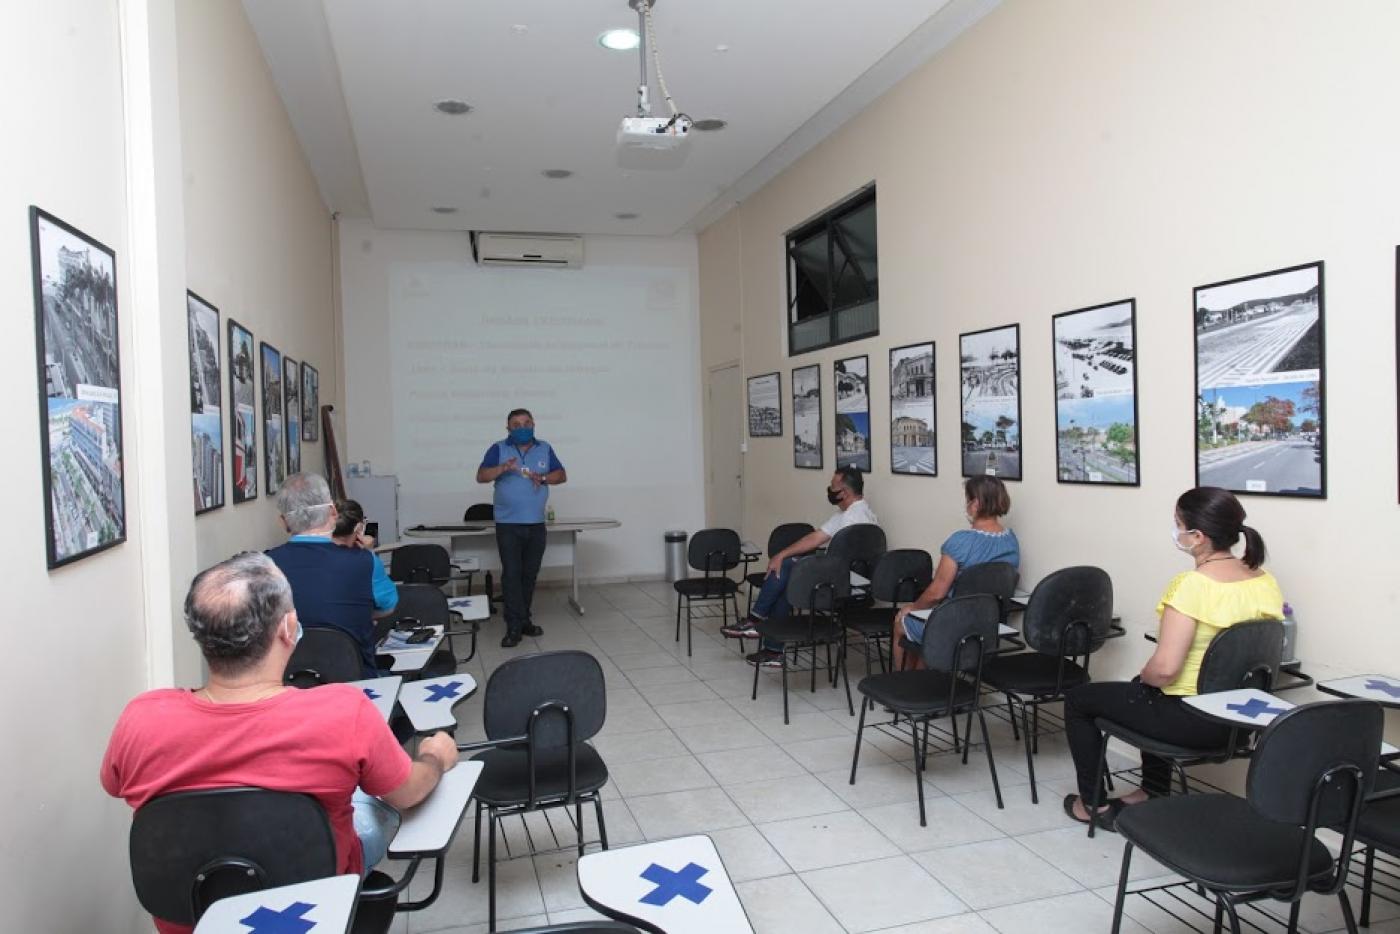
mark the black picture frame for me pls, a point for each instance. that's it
(1002, 459)
(851, 429)
(291, 408)
(1260, 362)
(78, 365)
(765, 421)
(206, 404)
(310, 403)
(274, 463)
(807, 409)
(1093, 361)
(912, 380)
(243, 415)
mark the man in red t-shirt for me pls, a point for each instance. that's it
(245, 728)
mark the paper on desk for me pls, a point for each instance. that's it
(398, 639)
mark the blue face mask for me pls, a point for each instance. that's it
(522, 436)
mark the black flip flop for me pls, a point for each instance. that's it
(1104, 820)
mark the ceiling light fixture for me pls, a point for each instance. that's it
(709, 125)
(626, 216)
(452, 107)
(557, 173)
(620, 40)
(444, 209)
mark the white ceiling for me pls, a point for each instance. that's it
(359, 78)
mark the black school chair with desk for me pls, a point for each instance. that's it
(817, 588)
(426, 605)
(900, 576)
(323, 656)
(781, 537)
(714, 553)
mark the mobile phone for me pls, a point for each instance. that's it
(372, 530)
(420, 636)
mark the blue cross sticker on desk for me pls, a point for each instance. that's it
(1255, 708)
(287, 921)
(685, 883)
(370, 693)
(1385, 687)
(437, 692)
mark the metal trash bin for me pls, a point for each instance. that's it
(676, 567)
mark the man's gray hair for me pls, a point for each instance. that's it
(233, 609)
(304, 502)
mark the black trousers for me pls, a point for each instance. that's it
(1142, 709)
(522, 549)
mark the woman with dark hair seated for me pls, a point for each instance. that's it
(1220, 591)
(350, 525)
(987, 541)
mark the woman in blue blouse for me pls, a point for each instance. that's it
(986, 541)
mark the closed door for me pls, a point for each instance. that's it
(724, 487)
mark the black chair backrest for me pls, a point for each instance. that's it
(581, 927)
(861, 545)
(518, 687)
(1304, 745)
(422, 602)
(954, 620)
(191, 848)
(323, 656)
(420, 563)
(714, 551)
(818, 582)
(785, 535)
(995, 578)
(480, 512)
(1245, 655)
(901, 575)
(1067, 606)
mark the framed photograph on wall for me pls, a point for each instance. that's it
(913, 424)
(79, 372)
(291, 407)
(1096, 418)
(807, 417)
(851, 377)
(765, 400)
(310, 403)
(206, 404)
(1260, 425)
(244, 417)
(275, 467)
(990, 364)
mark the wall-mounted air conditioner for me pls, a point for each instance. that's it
(550, 251)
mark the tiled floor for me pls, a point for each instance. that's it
(689, 752)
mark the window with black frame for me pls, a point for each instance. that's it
(833, 277)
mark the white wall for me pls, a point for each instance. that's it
(1060, 155)
(438, 350)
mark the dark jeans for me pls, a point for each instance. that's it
(1142, 709)
(771, 602)
(521, 548)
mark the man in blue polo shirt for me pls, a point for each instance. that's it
(523, 468)
(333, 587)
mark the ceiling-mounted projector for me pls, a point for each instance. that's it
(653, 142)
(644, 141)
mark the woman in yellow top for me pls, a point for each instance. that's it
(1221, 591)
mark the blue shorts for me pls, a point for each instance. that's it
(375, 825)
(914, 628)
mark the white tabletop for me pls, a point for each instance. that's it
(859, 581)
(429, 703)
(410, 658)
(488, 527)
(326, 904)
(749, 548)
(1003, 630)
(470, 608)
(1382, 689)
(383, 691)
(678, 886)
(1253, 708)
(429, 827)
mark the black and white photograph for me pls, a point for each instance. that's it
(79, 373)
(1096, 424)
(206, 404)
(990, 366)
(765, 401)
(807, 417)
(310, 403)
(1260, 383)
(291, 407)
(243, 422)
(913, 429)
(272, 416)
(851, 378)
